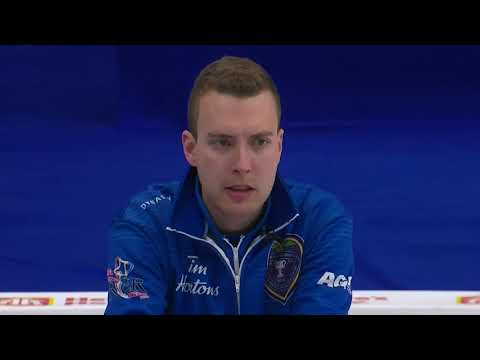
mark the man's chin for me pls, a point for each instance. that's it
(240, 209)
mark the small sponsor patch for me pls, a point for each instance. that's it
(283, 266)
(120, 284)
(331, 280)
(154, 201)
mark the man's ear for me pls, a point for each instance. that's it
(280, 140)
(189, 144)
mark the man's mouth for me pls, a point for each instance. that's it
(240, 188)
(239, 193)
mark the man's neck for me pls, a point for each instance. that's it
(232, 224)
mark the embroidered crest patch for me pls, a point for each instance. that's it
(283, 266)
(121, 284)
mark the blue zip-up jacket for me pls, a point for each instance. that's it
(166, 256)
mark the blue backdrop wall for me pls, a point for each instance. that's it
(391, 130)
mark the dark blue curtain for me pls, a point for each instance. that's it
(391, 130)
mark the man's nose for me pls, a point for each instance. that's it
(242, 161)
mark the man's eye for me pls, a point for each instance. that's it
(222, 142)
(259, 142)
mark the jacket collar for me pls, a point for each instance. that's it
(190, 215)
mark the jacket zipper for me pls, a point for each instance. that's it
(238, 267)
(237, 276)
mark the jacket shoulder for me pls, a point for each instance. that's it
(315, 202)
(151, 207)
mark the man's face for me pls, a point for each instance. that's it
(236, 153)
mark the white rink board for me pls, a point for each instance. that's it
(53, 303)
(364, 303)
(415, 303)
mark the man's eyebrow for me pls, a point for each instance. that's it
(219, 135)
(263, 133)
(260, 134)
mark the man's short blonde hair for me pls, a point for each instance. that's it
(230, 75)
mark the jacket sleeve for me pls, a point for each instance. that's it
(137, 271)
(324, 284)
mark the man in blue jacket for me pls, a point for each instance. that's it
(232, 237)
